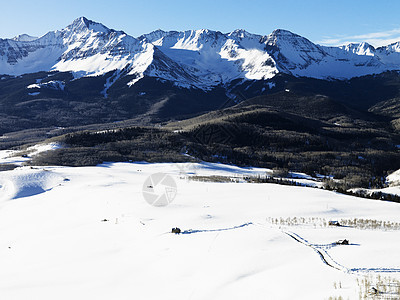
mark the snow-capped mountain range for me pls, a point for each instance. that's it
(194, 58)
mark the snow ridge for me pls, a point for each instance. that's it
(24, 38)
(191, 59)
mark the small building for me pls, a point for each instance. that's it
(176, 230)
(342, 242)
(334, 223)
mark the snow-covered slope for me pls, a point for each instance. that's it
(300, 57)
(84, 47)
(24, 38)
(216, 57)
(199, 58)
(389, 55)
(88, 233)
(359, 48)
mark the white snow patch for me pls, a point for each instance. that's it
(53, 84)
(133, 81)
(394, 178)
(14, 156)
(36, 149)
(110, 81)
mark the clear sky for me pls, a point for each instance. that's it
(330, 22)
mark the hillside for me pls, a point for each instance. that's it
(284, 130)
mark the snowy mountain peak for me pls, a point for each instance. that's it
(279, 36)
(155, 35)
(287, 39)
(202, 35)
(359, 48)
(81, 20)
(83, 24)
(283, 33)
(242, 34)
(24, 38)
(238, 32)
(395, 47)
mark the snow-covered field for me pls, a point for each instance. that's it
(88, 233)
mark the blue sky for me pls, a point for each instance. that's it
(325, 22)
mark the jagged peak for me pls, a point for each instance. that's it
(160, 31)
(82, 24)
(239, 33)
(207, 33)
(359, 48)
(395, 47)
(283, 32)
(82, 20)
(196, 34)
(155, 35)
(199, 32)
(358, 45)
(24, 38)
(394, 44)
(281, 35)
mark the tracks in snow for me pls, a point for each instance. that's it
(320, 249)
(329, 261)
(191, 231)
(325, 257)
